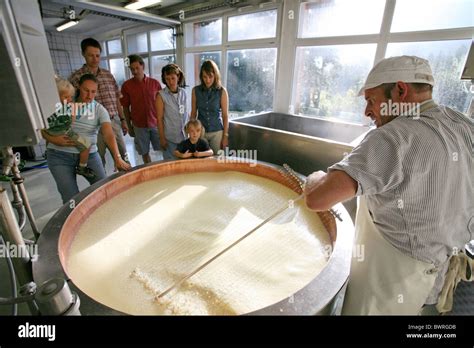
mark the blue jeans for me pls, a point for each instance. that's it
(63, 168)
(169, 152)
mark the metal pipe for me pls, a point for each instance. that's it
(9, 161)
(16, 300)
(11, 165)
(17, 203)
(18, 180)
(12, 234)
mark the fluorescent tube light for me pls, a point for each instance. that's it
(141, 4)
(66, 25)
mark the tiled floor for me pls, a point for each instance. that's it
(45, 200)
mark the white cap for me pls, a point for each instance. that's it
(409, 69)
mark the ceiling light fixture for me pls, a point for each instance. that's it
(141, 16)
(141, 4)
(66, 25)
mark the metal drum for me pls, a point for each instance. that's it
(317, 297)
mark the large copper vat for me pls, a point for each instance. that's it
(317, 297)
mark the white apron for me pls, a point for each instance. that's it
(385, 281)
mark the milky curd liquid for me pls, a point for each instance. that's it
(145, 239)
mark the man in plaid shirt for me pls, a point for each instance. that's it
(108, 94)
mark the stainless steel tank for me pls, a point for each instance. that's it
(306, 143)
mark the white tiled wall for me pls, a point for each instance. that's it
(65, 52)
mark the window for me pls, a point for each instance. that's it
(162, 43)
(156, 47)
(103, 64)
(336, 43)
(112, 59)
(333, 57)
(103, 52)
(243, 27)
(204, 33)
(194, 62)
(447, 60)
(245, 48)
(162, 40)
(137, 43)
(318, 19)
(147, 66)
(440, 14)
(117, 68)
(114, 47)
(328, 78)
(251, 79)
(157, 63)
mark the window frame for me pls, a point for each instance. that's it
(286, 45)
(382, 39)
(227, 45)
(149, 54)
(264, 40)
(186, 23)
(107, 57)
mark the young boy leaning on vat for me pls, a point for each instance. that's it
(195, 145)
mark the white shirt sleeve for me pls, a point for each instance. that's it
(376, 163)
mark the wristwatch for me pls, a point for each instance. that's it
(226, 134)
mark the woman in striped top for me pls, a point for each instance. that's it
(171, 110)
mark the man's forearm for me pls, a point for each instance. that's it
(161, 128)
(109, 139)
(120, 110)
(325, 190)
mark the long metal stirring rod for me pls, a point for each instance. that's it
(179, 282)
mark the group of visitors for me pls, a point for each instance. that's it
(96, 115)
